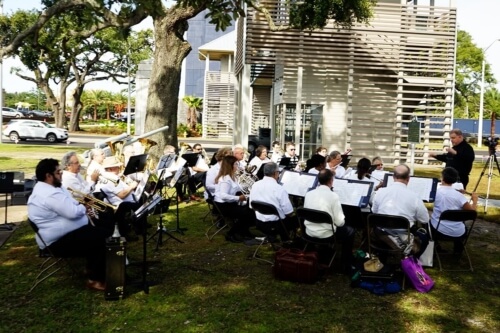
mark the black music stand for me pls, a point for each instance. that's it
(166, 161)
(6, 187)
(260, 172)
(159, 211)
(172, 184)
(143, 212)
(191, 159)
(136, 163)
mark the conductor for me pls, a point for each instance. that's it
(460, 156)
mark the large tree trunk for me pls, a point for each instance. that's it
(74, 122)
(163, 92)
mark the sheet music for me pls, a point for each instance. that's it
(148, 206)
(353, 192)
(140, 188)
(379, 175)
(296, 183)
(424, 187)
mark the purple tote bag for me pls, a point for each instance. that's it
(416, 274)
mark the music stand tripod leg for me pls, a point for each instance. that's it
(177, 223)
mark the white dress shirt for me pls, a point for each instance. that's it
(225, 190)
(269, 191)
(112, 191)
(55, 212)
(448, 198)
(76, 182)
(91, 168)
(398, 200)
(210, 179)
(322, 198)
(257, 161)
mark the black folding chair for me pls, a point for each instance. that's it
(219, 221)
(378, 246)
(468, 218)
(316, 216)
(269, 229)
(52, 263)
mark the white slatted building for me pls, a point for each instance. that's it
(354, 88)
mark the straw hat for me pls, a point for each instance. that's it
(111, 162)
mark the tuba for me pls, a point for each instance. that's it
(147, 144)
(116, 148)
(184, 147)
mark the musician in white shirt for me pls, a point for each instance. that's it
(121, 192)
(63, 223)
(322, 198)
(96, 156)
(333, 161)
(269, 191)
(71, 175)
(259, 158)
(239, 153)
(230, 202)
(214, 171)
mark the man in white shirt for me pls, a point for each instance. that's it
(239, 153)
(397, 199)
(63, 223)
(333, 161)
(269, 191)
(71, 175)
(121, 192)
(322, 198)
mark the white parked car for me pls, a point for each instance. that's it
(9, 112)
(34, 129)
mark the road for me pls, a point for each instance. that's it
(88, 141)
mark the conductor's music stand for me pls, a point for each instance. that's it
(136, 163)
(6, 187)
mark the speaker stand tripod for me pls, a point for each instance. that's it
(488, 165)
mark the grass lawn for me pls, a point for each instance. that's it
(212, 286)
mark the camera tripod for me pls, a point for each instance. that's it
(488, 165)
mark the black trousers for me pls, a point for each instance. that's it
(273, 228)
(244, 216)
(88, 242)
(345, 236)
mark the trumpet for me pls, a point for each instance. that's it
(90, 201)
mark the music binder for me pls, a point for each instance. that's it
(353, 192)
(424, 187)
(298, 183)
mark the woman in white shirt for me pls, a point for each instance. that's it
(259, 159)
(231, 202)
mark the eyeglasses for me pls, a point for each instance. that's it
(57, 172)
(77, 162)
(377, 165)
(291, 149)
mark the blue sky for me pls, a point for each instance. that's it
(478, 17)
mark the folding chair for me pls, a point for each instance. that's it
(269, 229)
(389, 222)
(316, 216)
(52, 263)
(219, 223)
(456, 216)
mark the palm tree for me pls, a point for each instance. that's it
(492, 104)
(194, 104)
